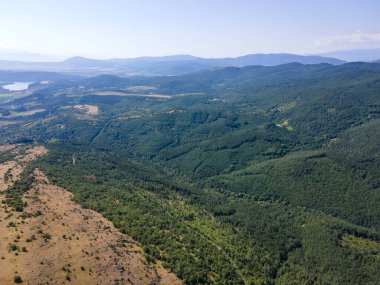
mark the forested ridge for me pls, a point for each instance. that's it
(254, 175)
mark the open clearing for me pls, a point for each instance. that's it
(15, 94)
(90, 109)
(5, 123)
(137, 88)
(285, 124)
(56, 241)
(115, 93)
(15, 114)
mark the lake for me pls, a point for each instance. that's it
(17, 86)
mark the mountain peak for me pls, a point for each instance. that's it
(78, 59)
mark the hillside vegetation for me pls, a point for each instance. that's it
(254, 175)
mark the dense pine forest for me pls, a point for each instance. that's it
(253, 175)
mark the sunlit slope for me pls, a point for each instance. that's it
(256, 174)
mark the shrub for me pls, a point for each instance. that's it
(17, 279)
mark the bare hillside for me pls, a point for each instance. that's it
(56, 241)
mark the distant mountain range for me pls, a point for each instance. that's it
(17, 55)
(167, 65)
(364, 55)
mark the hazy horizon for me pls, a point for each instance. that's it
(53, 57)
(98, 29)
(27, 56)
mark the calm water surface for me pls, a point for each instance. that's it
(17, 86)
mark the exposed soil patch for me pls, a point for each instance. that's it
(90, 109)
(15, 114)
(285, 124)
(114, 93)
(5, 123)
(32, 154)
(139, 88)
(7, 147)
(56, 241)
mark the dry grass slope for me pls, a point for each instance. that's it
(56, 241)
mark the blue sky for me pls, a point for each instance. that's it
(209, 28)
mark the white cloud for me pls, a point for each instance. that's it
(17, 46)
(355, 38)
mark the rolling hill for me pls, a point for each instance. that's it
(364, 55)
(231, 175)
(168, 65)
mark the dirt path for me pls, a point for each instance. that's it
(56, 241)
